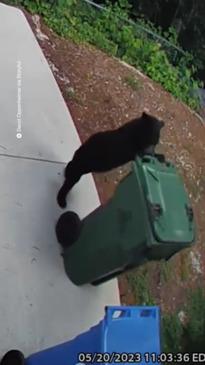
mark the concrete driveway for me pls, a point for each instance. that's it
(39, 306)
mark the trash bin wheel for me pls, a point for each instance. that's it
(68, 229)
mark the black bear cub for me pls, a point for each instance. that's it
(104, 151)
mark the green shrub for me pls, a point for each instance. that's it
(113, 31)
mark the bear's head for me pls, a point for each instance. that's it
(149, 130)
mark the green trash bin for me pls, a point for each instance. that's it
(148, 218)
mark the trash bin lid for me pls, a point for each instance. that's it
(170, 212)
(132, 330)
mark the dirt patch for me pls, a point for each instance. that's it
(101, 94)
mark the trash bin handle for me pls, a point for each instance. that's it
(122, 310)
(130, 311)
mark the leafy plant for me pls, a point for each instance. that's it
(141, 44)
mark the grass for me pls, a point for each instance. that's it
(195, 328)
(184, 266)
(71, 94)
(194, 189)
(133, 82)
(172, 333)
(166, 271)
(139, 282)
(189, 336)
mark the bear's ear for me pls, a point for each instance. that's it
(145, 115)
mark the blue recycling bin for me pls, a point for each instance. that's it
(125, 335)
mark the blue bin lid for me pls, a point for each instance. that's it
(132, 330)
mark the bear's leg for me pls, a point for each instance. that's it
(70, 181)
(68, 170)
